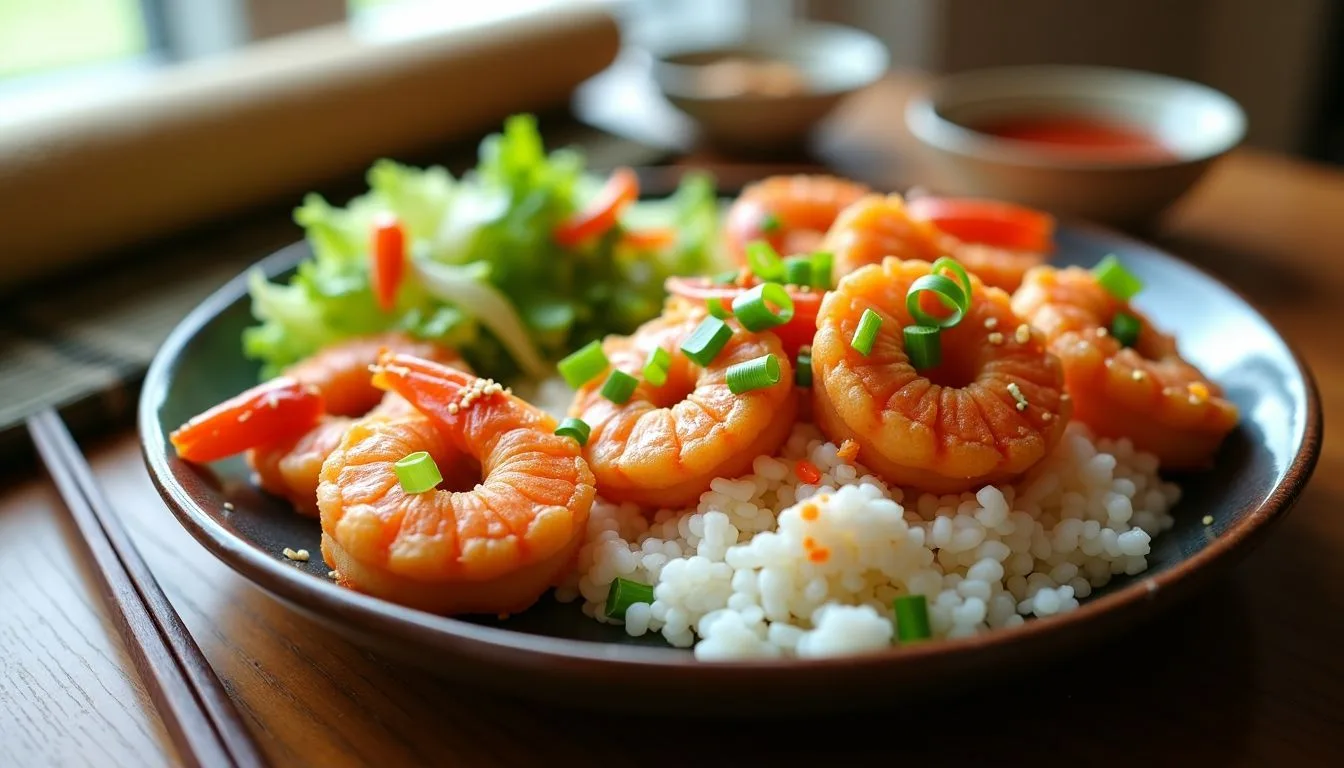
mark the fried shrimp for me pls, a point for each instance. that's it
(997, 242)
(1146, 392)
(663, 446)
(340, 373)
(876, 227)
(792, 213)
(494, 547)
(990, 410)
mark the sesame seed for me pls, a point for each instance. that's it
(452, 409)
(1208, 519)
(1016, 392)
(1194, 400)
(1047, 416)
(996, 338)
(333, 575)
(991, 323)
(244, 416)
(1138, 375)
(301, 555)
(1023, 334)
(228, 506)
(1102, 332)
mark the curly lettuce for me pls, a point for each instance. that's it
(485, 275)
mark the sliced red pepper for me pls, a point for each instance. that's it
(794, 334)
(807, 472)
(600, 216)
(987, 222)
(281, 409)
(388, 252)
(650, 239)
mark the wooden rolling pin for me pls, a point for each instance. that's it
(216, 136)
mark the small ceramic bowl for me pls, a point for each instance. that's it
(1193, 123)
(828, 62)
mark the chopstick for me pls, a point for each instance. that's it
(201, 719)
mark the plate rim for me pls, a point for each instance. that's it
(502, 645)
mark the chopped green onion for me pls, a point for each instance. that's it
(1125, 328)
(866, 333)
(764, 262)
(958, 272)
(583, 365)
(912, 618)
(948, 292)
(655, 369)
(823, 264)
(575, 428)
(798, 270)
(770, 223)
(417, 472)
(706, 341)
(802, 371)
(752, 307)
(1118, 281)
(716, 308)
(923, 346)
(757, 373)
(625, 593)
(619, 386)
(725, 278)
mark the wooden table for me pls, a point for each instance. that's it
(1248, 673)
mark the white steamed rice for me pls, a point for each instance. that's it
(743, 574)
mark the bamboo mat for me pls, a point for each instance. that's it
(82, 342)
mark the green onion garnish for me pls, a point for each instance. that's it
(717, 309)
(1118, 281)
(655, 369)
(757, 373)
(417, 472)
(866, 333)
(764, 262)
(923, 346)
(725, 278)
(752, 307)
(619, 386)
(823, 264)
(798, 270)
(958, 272)
(1125, 328)
(770, 223)
(583, 365)
(707, 340)
(802, 370)
(625, 593)
(575, 428)
(948, 292)
(912, 618)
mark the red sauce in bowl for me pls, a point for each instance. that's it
(1079, 135)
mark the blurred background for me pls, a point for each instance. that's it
(1281, 60)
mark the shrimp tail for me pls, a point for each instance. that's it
(435, 390)
(458, 403)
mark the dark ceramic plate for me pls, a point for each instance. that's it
(552, 651)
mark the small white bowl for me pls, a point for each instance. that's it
(834, 61)
(1195, 123)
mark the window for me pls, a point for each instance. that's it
(41, 36)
